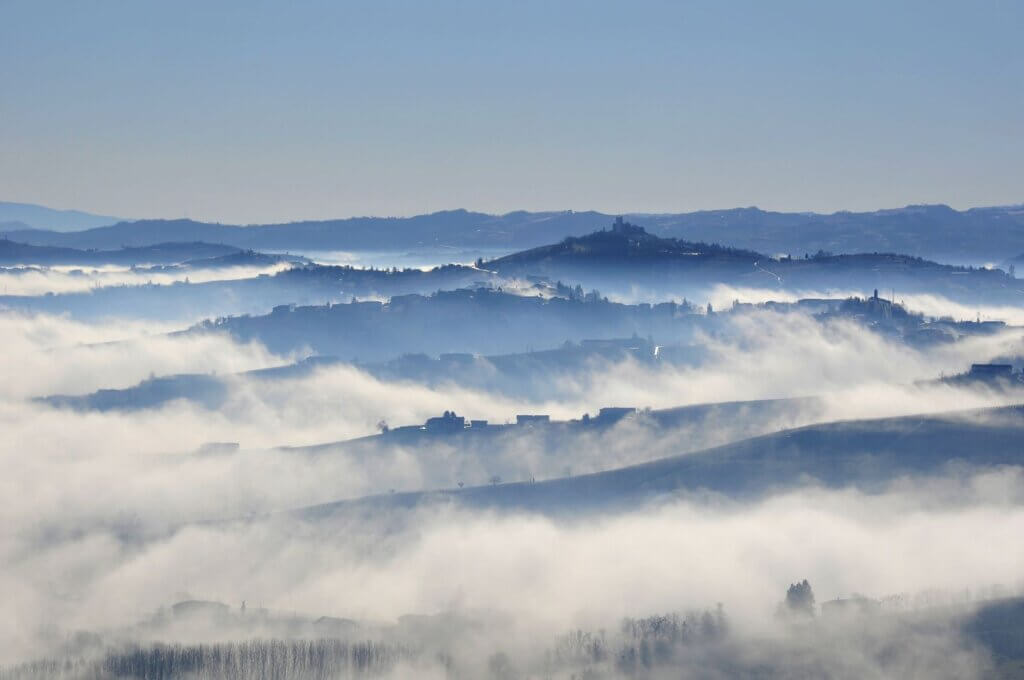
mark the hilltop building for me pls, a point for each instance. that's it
(524, 419)
(879, 307)
(449, 422)
(613, 414)
(622, 227)
(996, 376)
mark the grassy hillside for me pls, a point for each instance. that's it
(867, 454)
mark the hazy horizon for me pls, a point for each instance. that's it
(794, 211)
(250, 113)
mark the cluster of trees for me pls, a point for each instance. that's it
(799, 602)
(657, 640)
(342, 272)
(279, 659)
(577, 294)
(640, 645)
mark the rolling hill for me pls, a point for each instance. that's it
(628, 257)
(866, 454)
(935, 231)
(14, 253)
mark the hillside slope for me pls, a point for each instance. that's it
(867, 454)
(627, 256)
(14, 253)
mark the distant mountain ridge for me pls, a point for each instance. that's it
(16, 216)
(14, 253)
(934, 231)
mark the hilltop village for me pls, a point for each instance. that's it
(451, 423)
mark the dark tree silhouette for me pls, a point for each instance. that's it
(800, 599)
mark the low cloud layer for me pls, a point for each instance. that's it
(545, 575)
(95, 503)
(70, 279)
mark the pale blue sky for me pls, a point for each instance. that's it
(249, 111)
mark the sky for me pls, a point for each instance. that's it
(246, 111)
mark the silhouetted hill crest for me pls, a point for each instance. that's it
(624, 241)
(934, 231)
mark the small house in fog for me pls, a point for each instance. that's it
(204, 609)
(526, 419)
(449, 422)
(613, 414)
